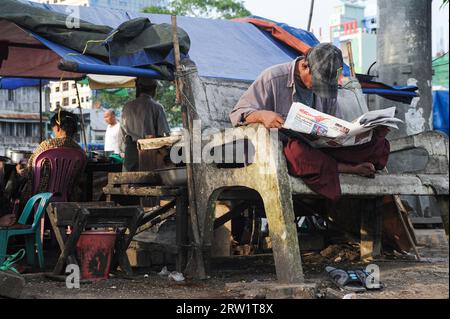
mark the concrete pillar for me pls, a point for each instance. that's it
(404, 57)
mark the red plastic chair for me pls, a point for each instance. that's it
(65, 163)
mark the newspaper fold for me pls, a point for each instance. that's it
(323, 130)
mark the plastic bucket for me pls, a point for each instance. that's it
(95, 250)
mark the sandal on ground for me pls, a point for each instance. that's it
(346, 279)
(369, 281)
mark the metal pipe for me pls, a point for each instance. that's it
(83, 128)
(41, 137)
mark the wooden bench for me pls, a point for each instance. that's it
(210, 101)
(80, 216)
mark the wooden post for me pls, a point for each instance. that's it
(371, 227)
(350, 58)
(187, 124)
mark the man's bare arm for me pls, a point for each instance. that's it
(268, 118)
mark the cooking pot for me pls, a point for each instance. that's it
(17, 156)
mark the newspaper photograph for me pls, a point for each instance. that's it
(322, 130)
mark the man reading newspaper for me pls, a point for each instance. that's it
(313, 81)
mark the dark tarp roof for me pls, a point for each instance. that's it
(220, 48)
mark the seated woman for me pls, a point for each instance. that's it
(20, 185)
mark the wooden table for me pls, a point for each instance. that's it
(91, 168)
(138, 184)
(93, 215)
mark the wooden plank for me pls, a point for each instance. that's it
(129, 190)
(181, 232)
(371, 226)
(157, 143)
(159, 211)
(230, 215)
(69, 246)
(57, 230)
(124, 240)
(65, 212)
(381, 185)
(150, 178)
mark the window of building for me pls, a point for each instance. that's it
(20, 130)
(9, 129)
(57, 89)
(74, 86)
(87, 98)
(58, 104)
(29, 129)
(65, 86)
(66, 101)
(10, 95)
(82, 99)
(74, 101)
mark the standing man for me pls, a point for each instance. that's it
(311, 80)
(141, 118)
(112, 132)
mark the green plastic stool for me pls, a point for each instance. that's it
(32, 233)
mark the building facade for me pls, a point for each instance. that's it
(64, 94)
(349, 24)
(19, 118)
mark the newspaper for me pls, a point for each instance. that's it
(323, 130)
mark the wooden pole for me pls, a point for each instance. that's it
(187, 124)
(408, 228)
(311, 11)
(350, 58)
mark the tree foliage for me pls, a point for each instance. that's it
(116, 102)
(218, 9)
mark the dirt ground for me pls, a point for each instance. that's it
(403, 277)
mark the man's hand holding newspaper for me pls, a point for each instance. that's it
(322, 130)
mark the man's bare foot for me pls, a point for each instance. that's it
(363, 169)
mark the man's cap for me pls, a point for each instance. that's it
(146, 82)
(326, 64)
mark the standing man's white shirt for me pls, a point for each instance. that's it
(112, 138)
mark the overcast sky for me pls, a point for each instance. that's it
(296, 12)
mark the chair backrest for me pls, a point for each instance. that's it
(41, 201)
(64, 164)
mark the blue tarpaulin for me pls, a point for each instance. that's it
(440, 111)
(88, 64)
(15, 83)
(220, 48)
